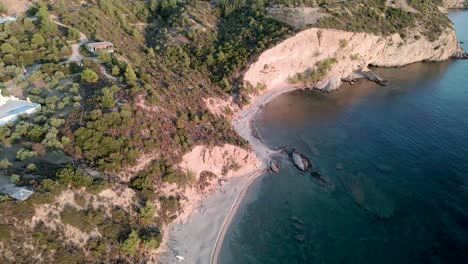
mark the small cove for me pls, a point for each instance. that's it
(396, 160)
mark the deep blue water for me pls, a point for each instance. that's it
(396, 160)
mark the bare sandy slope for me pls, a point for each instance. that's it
(227, 161)
(18, 7)
(454, 4)
(402, 4)
(297, 17)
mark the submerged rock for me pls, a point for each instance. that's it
(295, 219)
(298, 226)
(339, 166)
(317, 175)
(300, 238)
(274, 166)
(322, 180)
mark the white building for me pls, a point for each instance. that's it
(11, 108)
(18, 193)
(96, 47)
(7, 19)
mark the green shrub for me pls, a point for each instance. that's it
(89, 76)
(24, 154)
(131, 245)
(73, 177)
(5, 164)
(31, 167)
(15, 179)
(147, 213)
(311, 76)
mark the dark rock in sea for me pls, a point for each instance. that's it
(319, 177)
(282, 150)
(273, 166)
(316, 175)
(383, 82)
(349, 80)
(322, 180)
(460, 55)
(300, 161)
(374, 78)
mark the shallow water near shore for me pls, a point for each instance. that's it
(395, 166)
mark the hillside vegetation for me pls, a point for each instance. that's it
(101, 154)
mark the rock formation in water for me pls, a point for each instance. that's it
(300, 161)
(274, 166)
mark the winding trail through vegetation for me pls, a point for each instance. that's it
(76, 55)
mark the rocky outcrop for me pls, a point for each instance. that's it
(300, 161)
(461, 55)
(273, 166)
(454, 4)
(353, 51)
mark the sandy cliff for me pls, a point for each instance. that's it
(454, 4)
(225, 161)
(354, 52)
(220, 162)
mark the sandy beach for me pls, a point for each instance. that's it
(200, 239)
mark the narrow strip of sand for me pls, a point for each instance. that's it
(200, 239)
(243, 126)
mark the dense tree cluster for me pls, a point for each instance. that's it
(27, 41)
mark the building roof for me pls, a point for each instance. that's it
(18, 193)
(103, 44)
(16, 107)
(7, 19)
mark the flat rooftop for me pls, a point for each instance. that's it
(18, 193)
(102, 44)
(12, 108)
(7, 19)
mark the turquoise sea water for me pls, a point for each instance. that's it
(395, 160)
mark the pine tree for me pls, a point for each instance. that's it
(130, 74)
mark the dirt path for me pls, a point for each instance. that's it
(76, 55)
(103, 69)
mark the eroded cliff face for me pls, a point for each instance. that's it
(222, 161)
(210, 166)
(454, 4)
(353, 51)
